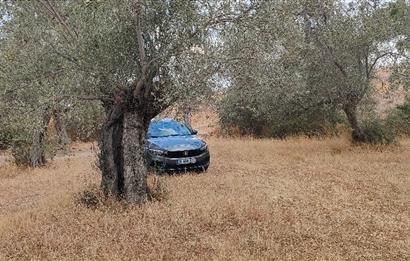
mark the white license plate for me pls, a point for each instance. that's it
(186, 161)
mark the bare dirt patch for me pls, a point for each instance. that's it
(261, 199)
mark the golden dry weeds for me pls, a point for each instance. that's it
(298, 199)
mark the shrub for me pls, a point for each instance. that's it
(83, 122)
(275, 119)
(6, 137)
(398, 119)
(376, 132)
(90, 198)
(313, 122)
(239, 112)
(27, 152)
(18, 140)
(21, 153)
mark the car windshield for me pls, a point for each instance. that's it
(167, 128)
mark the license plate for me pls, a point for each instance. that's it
(186, 161)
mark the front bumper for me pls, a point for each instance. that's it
(171, 164)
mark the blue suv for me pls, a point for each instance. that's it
(172, 146)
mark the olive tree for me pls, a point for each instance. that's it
(308, 54)
(126, 55)
(29, 82)
(401, 14)
(350, 44)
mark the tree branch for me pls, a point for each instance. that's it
(85, 98)
(136, 13)
(177, 50)
(340, 67)
(54, 13)
(232, 17)
(375, 62)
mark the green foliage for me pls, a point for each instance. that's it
(31, 146)
(376, 132)
(84, 121)
(30, 81)
(6, 138)
(55, 51)
(398, 119)
(294, 64)
(22, 131)
(314, 122)
(400, 12)
(291, 65)
(279, 120)
(21, 151)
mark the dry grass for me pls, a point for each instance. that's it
(260, 200)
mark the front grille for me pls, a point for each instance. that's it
(184, 154)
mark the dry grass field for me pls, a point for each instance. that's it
(298, 199)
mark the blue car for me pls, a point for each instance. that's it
(172, 146)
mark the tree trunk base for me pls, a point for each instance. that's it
(122, 157)
(135, 167)
(357, 132)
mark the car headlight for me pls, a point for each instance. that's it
(157, 152)
(203, 148)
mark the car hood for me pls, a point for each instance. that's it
(176, 143)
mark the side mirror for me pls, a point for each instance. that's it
(194, 132)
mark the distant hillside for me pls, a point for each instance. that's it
(204, 118)
(385, 96)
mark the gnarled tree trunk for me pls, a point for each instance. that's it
(37, 155)
(351, 114)
(111, 158)
(123, 139)
(122, 156)
(61, 130)
(135, 167)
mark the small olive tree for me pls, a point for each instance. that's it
(29, 83)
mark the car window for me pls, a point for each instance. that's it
(167, 128)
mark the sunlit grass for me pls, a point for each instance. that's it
(261, 199)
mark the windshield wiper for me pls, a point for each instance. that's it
(172, 135)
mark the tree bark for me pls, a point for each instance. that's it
(37, 156)
(63, 138)
(135, 167)
(37, 152)
(110, 158)
(351, 114)
(122, 157)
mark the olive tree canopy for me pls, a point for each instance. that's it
(130, 55)
(293, 57)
